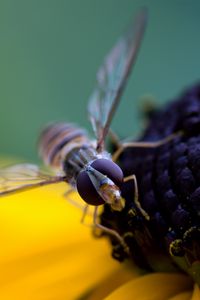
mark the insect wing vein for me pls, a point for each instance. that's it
(23, 177)
(112, 77)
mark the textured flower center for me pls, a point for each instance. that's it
(169, 191)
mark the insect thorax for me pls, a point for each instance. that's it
(78, 159)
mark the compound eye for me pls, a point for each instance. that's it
(87, 191)
(85, 187)
(110, 169)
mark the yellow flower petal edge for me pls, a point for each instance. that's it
(117, 278)
(156, 286)
(196, 293)
(45, 252)
(182, 296)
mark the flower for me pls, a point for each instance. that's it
(47, 254)
(169, 192)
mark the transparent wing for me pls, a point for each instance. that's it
(112, 77)
(22, 177)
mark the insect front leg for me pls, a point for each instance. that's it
(155, 144)
(136, 196)
(74, 202)
(83, 208)
(103, 228)
(111, 232)
(85, 211)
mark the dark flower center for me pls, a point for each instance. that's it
(169, 191)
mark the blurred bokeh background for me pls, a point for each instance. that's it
(50, 51)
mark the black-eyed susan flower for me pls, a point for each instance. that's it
(47, 254)
(169, 189)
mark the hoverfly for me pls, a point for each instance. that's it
(86, 165)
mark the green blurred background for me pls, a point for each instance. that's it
(50, 51)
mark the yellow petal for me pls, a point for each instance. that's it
(182, 296)
(45, 252)
(113, 281)
(196, 293)
(157, 286)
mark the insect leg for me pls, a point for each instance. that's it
(83, 208)
(156, 144)
(136, 197)
(109, 231)
(85, 211)
(72, 201)
(68, 192)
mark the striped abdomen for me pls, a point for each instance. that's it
(58, 140)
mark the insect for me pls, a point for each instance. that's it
(82, 163)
